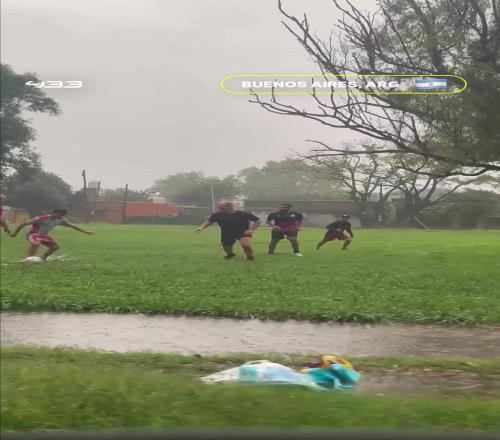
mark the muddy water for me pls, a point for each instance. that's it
(445, 383)
(188, 335)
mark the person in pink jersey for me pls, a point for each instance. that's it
(40, 228)
(285, 223)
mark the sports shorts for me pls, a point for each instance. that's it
(280, 235)
(229, 237)
(331, 235)
(41, 239)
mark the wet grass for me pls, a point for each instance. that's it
(67, 389)
(388, 275)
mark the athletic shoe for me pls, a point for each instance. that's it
(229, 256)
(298, 254)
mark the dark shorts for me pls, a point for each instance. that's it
(330, 236)
(41, 239)
(228, 238)
(280, 235)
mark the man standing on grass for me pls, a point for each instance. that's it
(336, 231)
(235, 226)
(285, 223)
(40, 228)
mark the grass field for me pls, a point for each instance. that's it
(398, 275)
(66, 389)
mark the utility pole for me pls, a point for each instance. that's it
(125, 195)
(86, 196)
(381, 205)
(212, 194)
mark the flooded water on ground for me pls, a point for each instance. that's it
(455, 383)
(190, 335)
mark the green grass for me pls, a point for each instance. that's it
(67, 389)
(396, 275)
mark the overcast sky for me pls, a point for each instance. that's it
(151, 103)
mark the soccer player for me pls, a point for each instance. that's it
(336, 231)
(3, 221)
(235, 226)
(285, 223)
(40, 228)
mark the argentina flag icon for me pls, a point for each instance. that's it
(423, 84)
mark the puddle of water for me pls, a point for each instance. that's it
(190, 335)
(444, 384)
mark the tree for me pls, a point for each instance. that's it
(289, 179)
(41, 192)
(377, 178)
(16, 152)
(118, 194)
(194, 188)
(468, 208)
(455, 134)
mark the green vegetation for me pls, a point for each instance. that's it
(398, 275)
(66, 389)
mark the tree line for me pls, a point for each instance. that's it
(422, 151)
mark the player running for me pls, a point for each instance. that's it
(285, 223)
(3, 220)
(40, 228)
(336, 231)
(235, 226)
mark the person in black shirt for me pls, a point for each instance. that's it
(285, 223)
(234, 225)
(336, 231)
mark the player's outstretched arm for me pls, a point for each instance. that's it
(18, 228)
(255, 225)
(270, 222)
(204, 225)
(76, 228)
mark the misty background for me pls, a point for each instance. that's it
(151, 104)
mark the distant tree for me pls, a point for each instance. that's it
(289, 179)
(193, 188)
(117, 195)
(17, 98)
(468, 208)
(376, 178)
(41, 192)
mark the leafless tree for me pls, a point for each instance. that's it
(373, 178)
(456, 134)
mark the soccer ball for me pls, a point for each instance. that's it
(32, 260)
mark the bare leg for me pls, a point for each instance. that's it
(228, 249)
(272, 246)
(321, 243)
(50, 251)
(346, 243)
(32, 249)
(295, 245)
(246, 245)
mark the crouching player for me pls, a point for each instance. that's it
(40, 228)
(336, 231)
